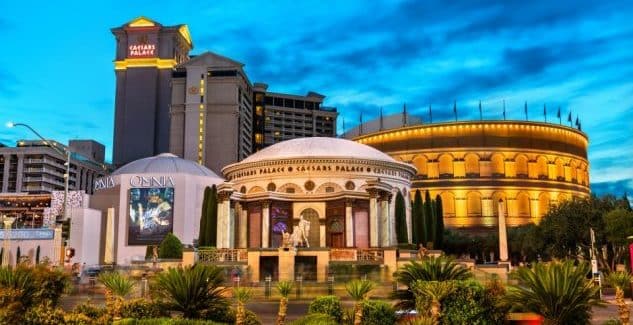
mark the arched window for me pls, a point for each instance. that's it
(448, 204)
(497, 165)
(541, 167)
(523, 204)
(446, 165)
(521, 165)
(471, 165)
(420, 163)
(560, 169)
(573, 167)
(543, 204)
(473, 203)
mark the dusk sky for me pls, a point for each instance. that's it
(56, 70)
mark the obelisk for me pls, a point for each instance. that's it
(503, 234)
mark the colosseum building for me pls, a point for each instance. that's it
(531, 166)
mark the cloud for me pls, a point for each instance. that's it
(617, 188)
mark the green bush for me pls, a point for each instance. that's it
(170, 247)
(328, 305)
(315, 319)
(141, 308)
(44, 314)
(376, 312)
(472, 303)
(90, 310)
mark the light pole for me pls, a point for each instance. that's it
(66, 152)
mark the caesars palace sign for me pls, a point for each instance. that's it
(136, 181)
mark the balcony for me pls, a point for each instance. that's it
(212, 256)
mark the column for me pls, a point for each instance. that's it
(265, 223)
(231, 234)
(407, 209)
(19, 174)
(57, 247)
(108, 256)
(385, 221)
(5, 175)
(224, 228)
(503, 234)
(373, 218)
(243, 228)
(6, 244)
(349, 223)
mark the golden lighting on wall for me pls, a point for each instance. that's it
(141, 22)
(144, 63)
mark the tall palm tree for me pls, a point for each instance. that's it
(558, 291)
(359, 291)
(434, 291)
(430, 268)
(620, 281)
(242, 295)
(192, 290)
(284, 288)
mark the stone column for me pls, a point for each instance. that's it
(223, 230)
(373, 218)
(407, 209)
(231, 235)
(5, 175)
(108, 256)
(242, 231)
(19, 174)
(57, 247)
(503, 234)
(6, 244)
(349, 223)
(385, 221)
(265, 223)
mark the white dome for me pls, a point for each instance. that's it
(165, 163)
(318, 147)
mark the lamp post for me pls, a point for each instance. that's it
(64, 152)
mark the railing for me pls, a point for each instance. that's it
(343, 254)
(369, 255)
(222, 255)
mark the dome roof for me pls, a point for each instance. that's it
(165, 163)
(318, 147)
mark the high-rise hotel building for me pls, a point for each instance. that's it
(146, 53)
(202, 108)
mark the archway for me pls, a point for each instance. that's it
(314, 233)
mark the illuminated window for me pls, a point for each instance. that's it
(473, 203)
(448, 204)
(259, 138)
(420, 163)
(523, 204)
(521, 165)
(471, 164)
(543, 204)
(259, 110)
(497, 165)
(446, 165)
(541, 164)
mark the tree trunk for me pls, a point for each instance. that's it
(623, 309)
(239, 314)
(283, 307)
(358, 314)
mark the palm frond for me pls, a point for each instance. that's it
(359, 289)
(284, 288)
(117, 283)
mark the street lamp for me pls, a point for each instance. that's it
(65, 152)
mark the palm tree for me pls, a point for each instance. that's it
(284, 288)
(558, 291)
(116, 284)
(192, 290)
(428, 269)
(359, 291)
(621, 280)
(242, 295)
(434, 291)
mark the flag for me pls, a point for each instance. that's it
(404, 115)
(455, 109)
(545, 112)
(569, 117)
(558, 115)
(381, 118)
(504, 109)
(360, 126)
(480, 112)
(525, 110)
(577, 121)
(430, 114)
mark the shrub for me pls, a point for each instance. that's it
(90, 310)
(11, 308)
(141, 308)
(472, 303)
(316, 319)
(43, 314)
(328, 305)
(376, 312)
(170, 247)
(51, 283)
(164, 321)
(117, 283)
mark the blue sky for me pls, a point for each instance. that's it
(56, 69)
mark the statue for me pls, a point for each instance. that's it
(304, 230)
(286, 240)
(294, 238)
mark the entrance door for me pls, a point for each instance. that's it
(269, 266)
(335, 230)
(306, 267)
(361, 228)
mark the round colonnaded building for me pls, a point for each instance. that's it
(344, 190)
(528, 165)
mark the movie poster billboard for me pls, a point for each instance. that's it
(151, 215)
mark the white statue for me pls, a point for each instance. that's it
(294, 237)
(304, 230)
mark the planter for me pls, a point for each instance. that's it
(525, 318)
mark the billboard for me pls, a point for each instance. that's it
(151, 215)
